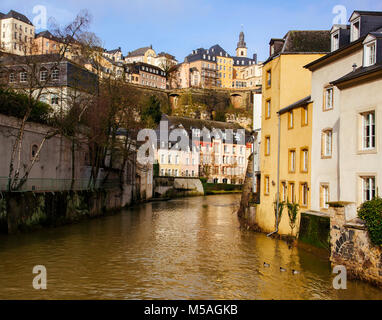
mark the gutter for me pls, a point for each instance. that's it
(278, 180)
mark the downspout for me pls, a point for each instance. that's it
(278, 181)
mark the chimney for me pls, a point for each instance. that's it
(255, 57)
(354, 66)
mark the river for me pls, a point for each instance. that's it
(188, 248)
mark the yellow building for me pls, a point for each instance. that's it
(286, 90)
(224, 71)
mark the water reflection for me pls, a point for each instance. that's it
(180, 249)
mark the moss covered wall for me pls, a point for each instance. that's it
(315, 230)
(29, 210)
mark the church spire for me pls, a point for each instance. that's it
(241, 43)
(241, 50)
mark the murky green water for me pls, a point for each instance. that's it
(182, 249)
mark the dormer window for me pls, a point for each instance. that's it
(272, 50)
(335, 41)
(355, 30)
(370, 54)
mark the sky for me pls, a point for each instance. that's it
(179, 26)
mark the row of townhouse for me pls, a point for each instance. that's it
(210, 151)
(319, 122)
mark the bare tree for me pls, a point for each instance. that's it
(35, 83)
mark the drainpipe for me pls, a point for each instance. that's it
(278, 181)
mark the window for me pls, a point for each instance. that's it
(304, 160)
(370, 54)
(290, 119)
(284, 191)
(266, 185)
(269, 78)
(368, 188)
(292, 197)
(12, 77)
(327, 139)
(304, 117)
(304, 195)
(292, 160)
(34, 150)
(268, 109)
(267, 145)
(368, 123)
(43, 75)
(55, 74)
(23, 76)
(324, 196)
(328, 103)
(54, 99)
(335, 41)
(355, 30)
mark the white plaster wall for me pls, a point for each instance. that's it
(354, 162)
(327, 170)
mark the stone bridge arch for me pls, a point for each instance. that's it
(174, 99)
(236, 100)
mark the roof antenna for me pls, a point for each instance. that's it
(354, 67)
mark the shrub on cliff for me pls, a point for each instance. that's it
(371, 213)
(14, 104)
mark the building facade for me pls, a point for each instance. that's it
(212, 156)
(345, 151)
(286, 83)
(17, 33)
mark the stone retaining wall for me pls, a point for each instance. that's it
(351, 247)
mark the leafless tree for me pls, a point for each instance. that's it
(37, 83)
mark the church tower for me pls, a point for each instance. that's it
(241, 50)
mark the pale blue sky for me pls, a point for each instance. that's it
(179, 26)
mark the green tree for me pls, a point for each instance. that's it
(151, 112)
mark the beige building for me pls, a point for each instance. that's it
(346, 115)
(17, 33)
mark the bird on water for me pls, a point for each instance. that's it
(266, 265)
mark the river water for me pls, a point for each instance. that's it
(181, 249)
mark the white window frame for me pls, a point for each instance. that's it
(292, 154)
(368, 130)
(43, 75)
(370, 53)
(335, 40)
(368, 188)
(325, 196)
(328, 143)
(329, 98)
(23, 76)
(353, 36)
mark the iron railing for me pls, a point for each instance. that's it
(38, 184)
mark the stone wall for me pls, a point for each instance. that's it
(315, 230)
(177, 187)
(351, 247)
(23, 211)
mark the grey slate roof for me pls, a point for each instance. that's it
(138, 52)
(16, 15)
(114, 50)
(215, 51)
(362, 71)
(304, 41)
(48, 35)
(297, 104)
